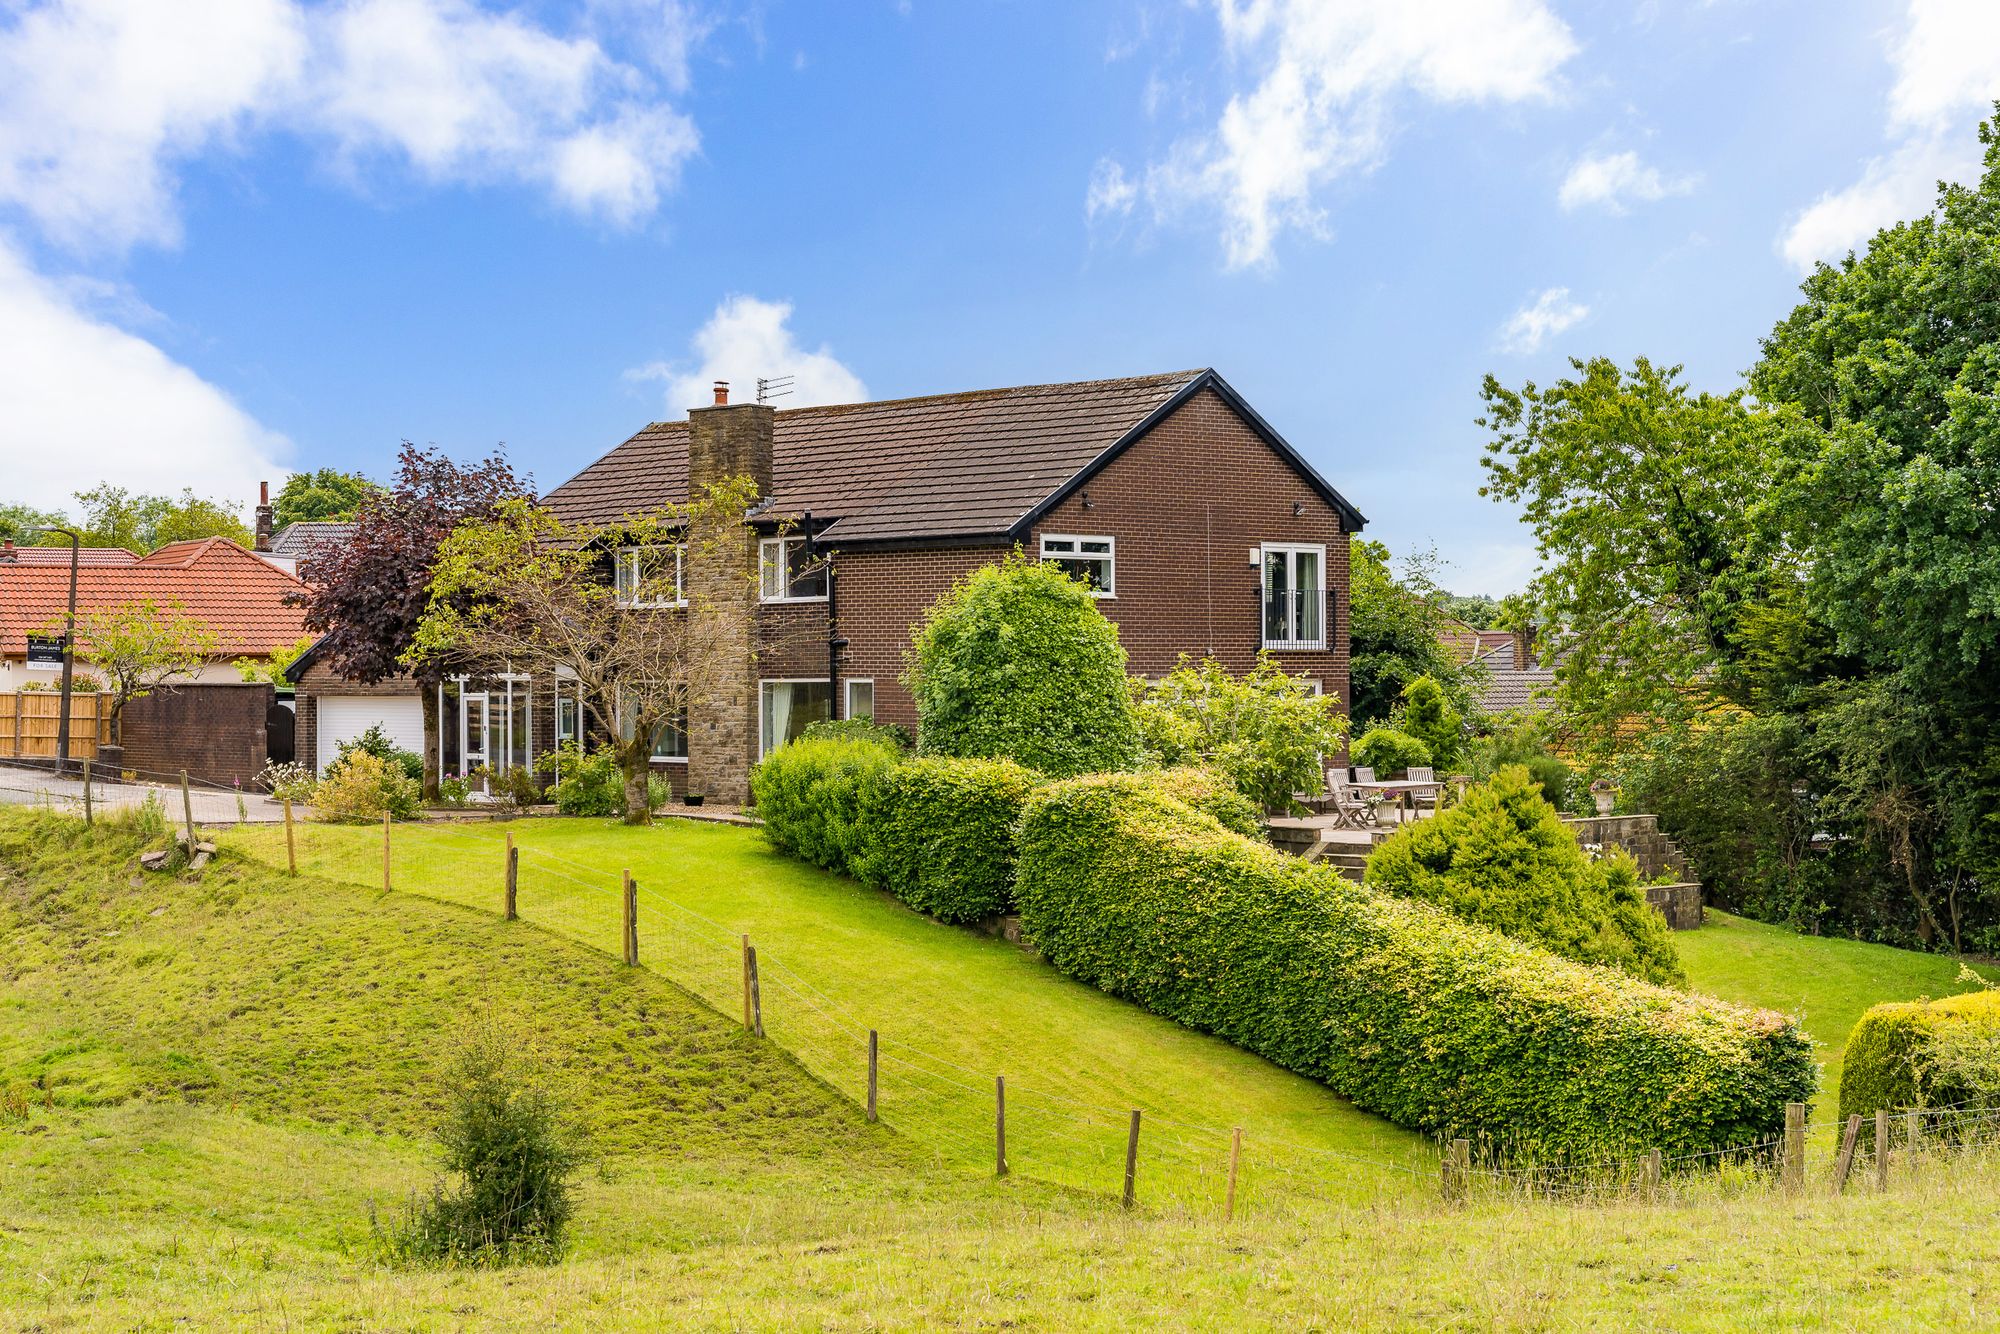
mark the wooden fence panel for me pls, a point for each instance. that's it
(31, 719)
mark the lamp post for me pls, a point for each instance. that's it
(69, 648)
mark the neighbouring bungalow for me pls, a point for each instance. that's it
(210, 723)
(1201, 529)
(1515, 678)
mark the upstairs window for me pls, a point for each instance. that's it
(648, 577)
(1294, 597)
(791, 572)
(1090, 559)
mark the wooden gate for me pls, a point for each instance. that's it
(29, 720)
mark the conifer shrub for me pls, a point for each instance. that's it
(1503, 858)
(938, 833)
(810, 792)
(1432, 1022)
(1017, 662)
(1938, 1053)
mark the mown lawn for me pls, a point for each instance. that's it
(954, 1008)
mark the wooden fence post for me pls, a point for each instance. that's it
(631, 922)
(1235, 1158)
(1653, 1176)
(999, 1125)
(1845, 1162)
(1793, 1172)
(753, 998)
(873, 1058)
(385, 852)
(187, 810)
(747, 1024)
(88, 820)
(291, 847)
(1457, 1171)
(1913, 1133)
(1882, 1148)
(1132, 1162)
(513, 880)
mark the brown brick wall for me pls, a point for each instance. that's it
(1184, 505)
(215, 732)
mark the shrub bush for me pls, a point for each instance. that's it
(363, 788)
(1429, 717)
(1387, 751)
(938, 833)
(1923, 1054)
(1504, 859)
(509, 1154)
(1016, 662)
(373, 742)
(809, 794)
(1266, 730)
(587, 782)
(862, 729)
(1436, 1024)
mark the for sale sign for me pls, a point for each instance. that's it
(45, 650)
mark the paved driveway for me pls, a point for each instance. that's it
(22, 786)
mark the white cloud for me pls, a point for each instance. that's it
(1947, 65)
(1319, 103)
(101, 100)
(84, 401)
(1548, 315)
(1613, 180)
(1111, 191)
(746, 339)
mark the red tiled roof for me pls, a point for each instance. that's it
(84, 556)
(239, 595)
(965, 465)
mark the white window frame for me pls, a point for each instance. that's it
(1076, 552)
(763, 712)
(630, 555)
(766, 563)
(847, 695)
(1289, 550)
(653, 754)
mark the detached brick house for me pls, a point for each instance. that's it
(1201, 529)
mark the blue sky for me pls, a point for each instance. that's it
(294, 234)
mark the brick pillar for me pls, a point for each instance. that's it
(728, 441)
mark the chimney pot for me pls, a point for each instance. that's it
(263, 493)
(722, 393)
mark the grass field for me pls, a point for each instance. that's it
(237, 1067)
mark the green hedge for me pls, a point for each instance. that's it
(809, 794)
(938, 833)
(1503, 858)
(1434, 1023)
(1207, 790)
(1923, 1054)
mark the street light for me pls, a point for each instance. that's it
(69, 647)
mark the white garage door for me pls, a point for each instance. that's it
(345, 717)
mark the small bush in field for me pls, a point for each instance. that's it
(1504, 859)
(509, 1153)
(365, 788)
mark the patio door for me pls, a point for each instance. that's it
(474, 716)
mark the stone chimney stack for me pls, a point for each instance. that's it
(1524, 648)
(730, 440)
(727, 440)
(263, 516)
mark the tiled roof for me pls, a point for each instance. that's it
(239, 595)
(1508, 689)
(948, 465)
(302, 541)
(84, 556)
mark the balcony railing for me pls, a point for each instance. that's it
(1294, 618)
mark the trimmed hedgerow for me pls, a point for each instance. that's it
(1208, 790)
(809, 794)
(938, 833)
(1434, 1023)
(1923, 1054)
(1503, 858)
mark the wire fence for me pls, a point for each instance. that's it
(1011, 1121)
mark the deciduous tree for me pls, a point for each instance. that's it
(141, 647)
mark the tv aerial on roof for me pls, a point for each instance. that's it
(777, 386)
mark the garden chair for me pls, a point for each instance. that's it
(1351, 810)
(1420, 800)
(1364, 775)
